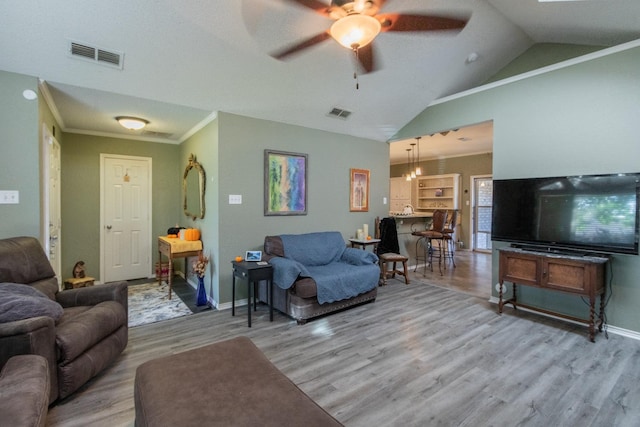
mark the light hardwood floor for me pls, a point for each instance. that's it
(420, 355)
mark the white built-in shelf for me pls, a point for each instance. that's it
(435, 192)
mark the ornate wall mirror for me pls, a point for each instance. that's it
(193, 186)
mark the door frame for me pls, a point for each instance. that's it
(103, 157)
(45, 234)
(472, 211)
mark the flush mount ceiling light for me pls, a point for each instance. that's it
(132, 123)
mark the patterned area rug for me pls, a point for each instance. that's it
(149, 303)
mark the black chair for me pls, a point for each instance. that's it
(388, 249)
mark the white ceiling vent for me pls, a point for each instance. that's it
(339, 113)
(155, 134)
(96, 54)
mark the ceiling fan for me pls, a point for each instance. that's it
(358, 22)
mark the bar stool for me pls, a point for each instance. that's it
(450, 243)
(427, 237)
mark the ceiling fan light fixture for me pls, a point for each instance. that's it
(132, 123)
(355, 30)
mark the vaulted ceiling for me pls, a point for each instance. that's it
(184, 61)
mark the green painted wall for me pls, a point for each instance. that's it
(80, 185)
(540, 55)
(20, 159)
(580, 119)
(204, 145)
(466, 166)
(242, 142)
(231, 151)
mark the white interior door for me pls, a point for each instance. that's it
(52, 223)
(126, 217)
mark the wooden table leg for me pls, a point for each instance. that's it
(592, 315)
(170, 278)
(233, 296)
(602, 295)
(271, 300)
(256, 289)
(249, 286)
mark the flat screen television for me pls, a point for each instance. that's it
(596, 213)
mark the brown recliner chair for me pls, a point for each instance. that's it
(90, 334)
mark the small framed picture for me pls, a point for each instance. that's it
(253, 256)
(359, 190)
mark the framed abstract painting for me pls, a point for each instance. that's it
(359, 194)
(285, 183)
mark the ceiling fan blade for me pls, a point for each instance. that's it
(319, 38)
(401, 22)
(367, 58)
(315, 5)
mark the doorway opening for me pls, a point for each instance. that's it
(51, 226)
(481, 211)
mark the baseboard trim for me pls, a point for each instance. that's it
(610, 328)
(227, 305)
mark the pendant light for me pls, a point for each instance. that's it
(418, 169)
(413, 172)
(408, 165)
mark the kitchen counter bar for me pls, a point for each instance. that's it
(413, 215)
(405, 225)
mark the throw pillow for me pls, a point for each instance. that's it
(19, 302)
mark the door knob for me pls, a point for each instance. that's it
(108, 227)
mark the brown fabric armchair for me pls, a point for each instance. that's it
(24, 391)
(90, 334)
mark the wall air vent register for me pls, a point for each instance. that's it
(95, 54)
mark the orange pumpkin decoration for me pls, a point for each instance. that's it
(238, 259)
(192, 234)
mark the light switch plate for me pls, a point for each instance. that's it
(9, 197)
(235, 199)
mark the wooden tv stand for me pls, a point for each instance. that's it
(572, 274)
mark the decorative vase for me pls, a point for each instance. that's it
(202, 294)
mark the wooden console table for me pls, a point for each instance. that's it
(175, 248)
(576, 275)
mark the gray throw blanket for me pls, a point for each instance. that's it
(339, 272)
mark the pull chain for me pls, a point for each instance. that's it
(355, 67)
